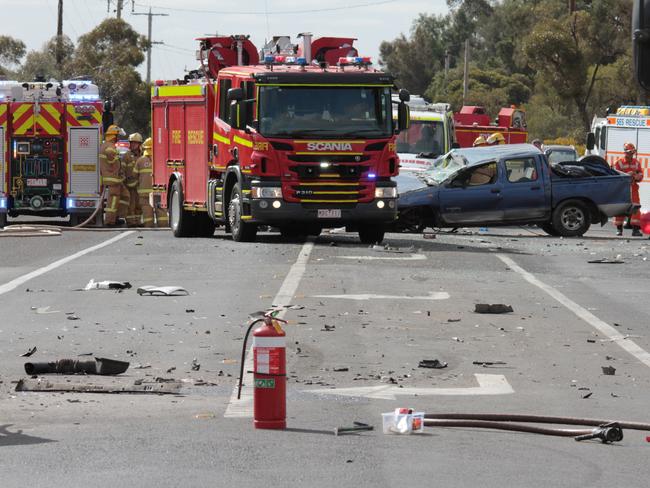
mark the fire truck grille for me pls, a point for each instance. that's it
(309, 158)
(313, 192)
(316, 171)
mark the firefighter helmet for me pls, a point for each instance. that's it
(479, 141)
(135, 137)
(113, 130)
(496, 139)
(628, 147)
(146, 145)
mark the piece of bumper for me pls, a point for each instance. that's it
(614, 209)
(263, 212)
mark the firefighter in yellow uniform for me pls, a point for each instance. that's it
(109, 162)
(134, 214)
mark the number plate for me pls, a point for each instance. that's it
(329, 213)
(36, 182)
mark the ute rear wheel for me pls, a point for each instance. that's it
(371, 234)
(571, 218)
(179, 219)
(241, 231)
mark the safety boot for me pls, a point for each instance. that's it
(636, 232)
(619, 230)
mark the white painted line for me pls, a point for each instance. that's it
(410, 257)
(13, 284)
(488, 384)
(604, 328)
(244, 406)
(437, 295)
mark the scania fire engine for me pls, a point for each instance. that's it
(49, 149)
(278, 138)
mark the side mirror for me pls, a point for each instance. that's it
(591, 141)
(641, 42)
(238, 115)
(403, 117)
(235, 94)
(404, 95)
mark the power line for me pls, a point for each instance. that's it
(150, 17)
(282, 12)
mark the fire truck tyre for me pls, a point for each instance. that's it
(571, 218)
(180, 220)
(371, 234)
(3, 220)
(204, 226)
(549, 229)
(241, 231)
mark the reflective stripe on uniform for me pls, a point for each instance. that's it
(110, 179)
(149, 219)
(144, 191)
(145, 170)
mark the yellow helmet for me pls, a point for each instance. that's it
(135, 137)
(113, 130)
(479, 141)
(496, 138)
(147, 144)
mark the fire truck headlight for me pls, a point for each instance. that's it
(390, 192)
(277, 204)
(3, 203)
(266, 192)
(69, 203)
(381, 204)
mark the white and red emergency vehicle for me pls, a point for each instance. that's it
(609, 134)
(50, 134)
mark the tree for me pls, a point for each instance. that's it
(11, 52)
(109, 55)
(42, 63)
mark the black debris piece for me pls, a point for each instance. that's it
(29, 353)
(432, 363)
(609, 370)
(495, 308)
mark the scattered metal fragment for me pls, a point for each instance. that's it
(358, 427)
(587, 395)
(606, 261)
(29, 353)
(453, 320)
(173, 368)
(341, 369)
(609, 370)
(163, 291)
(73, 317)
(495, 308)
(489, 363)
(195, 365)
(432, 363)
(138, 386)
(45, 310)
(100, 366)
(107, 285)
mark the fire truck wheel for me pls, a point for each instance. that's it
(549, 229)
(179, 220)
(3, 220)
(241, 231)
(371, 234)
(571, 218)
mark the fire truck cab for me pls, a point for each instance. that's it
(609, 134)
(277, 138)
(49, 149)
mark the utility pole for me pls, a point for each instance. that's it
(466, 71)
(447, 62)
(120, 5)
(151, 42)
(59, 39)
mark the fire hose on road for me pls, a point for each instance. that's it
(605, 430)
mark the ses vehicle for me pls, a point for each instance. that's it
(431, 133)
(609, 134)
(49, 149)
(473, 121)
(298, 137)
(513, 185)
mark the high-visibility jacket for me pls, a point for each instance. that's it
(144, 170)
(128, 162)
(109, 164)
(632, 168)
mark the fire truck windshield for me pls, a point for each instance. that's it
(422, 137)
(287, 111)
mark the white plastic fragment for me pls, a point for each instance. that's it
(162, 291)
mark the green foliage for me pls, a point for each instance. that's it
(563, 67)
(11, 52)
(43, 62)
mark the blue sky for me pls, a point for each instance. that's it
(34, 22)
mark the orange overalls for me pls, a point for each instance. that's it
(634, 169)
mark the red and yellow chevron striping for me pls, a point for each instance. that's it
(75, 118)
(22, 118)
(4, 112)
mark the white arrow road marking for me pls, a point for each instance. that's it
(411, 257)
(434, 295)
(244, 406)
(488, 384)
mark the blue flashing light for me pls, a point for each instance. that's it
(269, 59)
(84, 98)
(69, 203)
(372, 175)
(358, 60)
(3, 203)
(301, 61)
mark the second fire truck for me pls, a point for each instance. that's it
(298, 137)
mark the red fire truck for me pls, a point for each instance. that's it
(292, 141)
(49, 149)
(473, 121)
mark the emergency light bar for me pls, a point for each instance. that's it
(82, 98)
(633, 110)
(354, 61)
(271, 59)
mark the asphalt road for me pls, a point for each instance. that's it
(376, 313)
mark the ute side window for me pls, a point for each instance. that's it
(521, 170)
(224, 85)
(486, 174)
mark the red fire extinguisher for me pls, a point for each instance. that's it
(269, 373)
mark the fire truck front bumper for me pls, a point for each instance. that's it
(279, 212)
